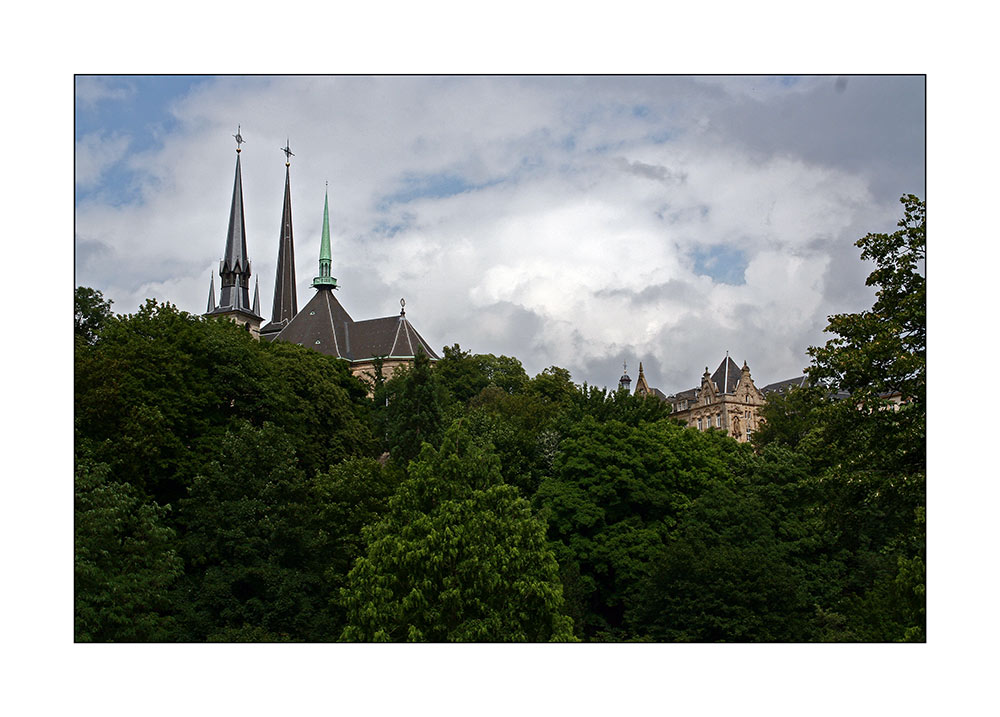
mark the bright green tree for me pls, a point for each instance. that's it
(458, 557)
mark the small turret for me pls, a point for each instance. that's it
(624, 382)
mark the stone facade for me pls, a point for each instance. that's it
(731, 403)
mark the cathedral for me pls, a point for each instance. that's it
(322, 324)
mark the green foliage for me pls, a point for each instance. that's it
(724, 578)
(614, 495)
(884, 350)
(415, 411)
(91, 313)
(464, 375)
(458, 557)
(124, 564)
(162, 387)
(254, 547)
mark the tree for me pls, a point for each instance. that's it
(125, 561)
(415, 411)
(458, 557)
(162, 387)
(92, 312)
(883, 350)
(723, 578)
(614, 495)
(255, 551)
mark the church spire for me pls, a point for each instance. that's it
(234, 269)
(285, 299)
(324, 280)
(211, 295)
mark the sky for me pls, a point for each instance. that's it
(578, 221)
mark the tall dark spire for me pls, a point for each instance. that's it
(285, 299)
(234, 269)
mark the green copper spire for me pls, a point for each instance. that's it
(324, 279)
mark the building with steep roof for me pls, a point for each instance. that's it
(323, 324)
(727, 400)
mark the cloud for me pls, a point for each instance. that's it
(569, 221)
(95, 154)
(91, 90)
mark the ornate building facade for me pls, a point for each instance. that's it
(727, 400)
(323, 324)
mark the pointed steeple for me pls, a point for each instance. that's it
(324, 280)
(234, 270)
(285, 300)
(256, 297)
(211, 295)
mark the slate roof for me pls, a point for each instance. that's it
(784, 386)
(324, 325)
(726, 380)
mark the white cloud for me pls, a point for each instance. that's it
(95, 153)
(91, 90)
(579, 245)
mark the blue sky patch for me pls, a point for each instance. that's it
(724, 264)
(136, 106)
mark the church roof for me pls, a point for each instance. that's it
(324, 325)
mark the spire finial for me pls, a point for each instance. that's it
(288, 152)
(402, 307)
(239, 139)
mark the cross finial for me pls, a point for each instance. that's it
(624, 366)
(239, 138)
(288, 152)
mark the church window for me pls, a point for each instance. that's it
(317, 342)
(718, 421)
(699, 424)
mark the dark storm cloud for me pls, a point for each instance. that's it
(868, 124)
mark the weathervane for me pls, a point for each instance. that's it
(239, 138)
(288, 152)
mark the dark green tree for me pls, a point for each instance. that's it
(458, 557)
(255, 551)
(725, 577)
(91, 312)
(415, 411)
(125, 561)
(613, 497)
(884, 350)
